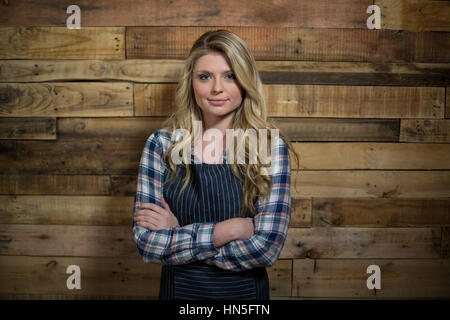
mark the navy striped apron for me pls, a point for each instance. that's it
(214, 195)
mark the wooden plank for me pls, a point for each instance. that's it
(357, 243)
(348, 278)
(415, 15)
(61, 42)
(445, 243)
(73, 210)
(305, 44)
(355, 101)
(317, 101)
(67, 240)
(289, 13)
(339, 129)
(28, 128)
(115, 276)
(108, 128)
(101, 278)
(117, 241)
(375, 156)
(300, 213)
(280, 278)
(418, 130)
(370, 184)
(136, 70)
(79, 157)
(447, 103)
(66, 99)
(354, 73)
(38, 184)
(274, 72)
(335, 212)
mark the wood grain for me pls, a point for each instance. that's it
(306, 44)
(371, 184)
(288, 13)
(367, 243)
(35, 42)
(415, 15)
(28, 128)
(385, 212)
(425, 130)
(66, 99)
(39, 184)
(427, 278)
(67, 210)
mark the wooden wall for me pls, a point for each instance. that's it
(368, 111)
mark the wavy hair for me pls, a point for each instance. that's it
(251, 114)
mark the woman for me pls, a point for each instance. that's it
(214, 226)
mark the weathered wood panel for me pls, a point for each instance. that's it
(117, 241)
(71, 210)
(16, 184)
(66, 99)
(101, 278)
(275, 72)
(288, 13)
(334, 212)
(414, 15)
(61, 43)
(339, 129)
(447, 103)
(357, 45)
(429, 131)
(374, 156)
(78, 157)
(301, 213)
(367, 243)
(371, 184)
(445, 243)
(317, 101)
(28, 128)
(347, 278)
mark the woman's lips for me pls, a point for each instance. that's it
(217, 102)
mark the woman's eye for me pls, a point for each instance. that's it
(229, 76)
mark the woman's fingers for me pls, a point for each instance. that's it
(153, 207)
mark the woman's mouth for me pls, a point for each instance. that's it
(217, 102)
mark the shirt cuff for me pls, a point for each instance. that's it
(205, 241)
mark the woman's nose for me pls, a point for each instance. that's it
(217, 86)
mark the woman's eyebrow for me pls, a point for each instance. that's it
(206, 71)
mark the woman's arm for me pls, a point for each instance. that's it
(176, 245)
(271, 222)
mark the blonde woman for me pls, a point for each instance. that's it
(214, 224)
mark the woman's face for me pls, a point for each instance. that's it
(216, 88)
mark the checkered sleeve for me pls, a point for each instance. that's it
(167, 246)
(271, 221)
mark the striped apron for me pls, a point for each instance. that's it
(213, 195)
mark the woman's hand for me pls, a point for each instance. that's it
(233, 229)
(155, 217)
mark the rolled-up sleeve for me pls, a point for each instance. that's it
(271, 222)
(167, 246)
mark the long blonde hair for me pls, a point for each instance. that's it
(251, 114)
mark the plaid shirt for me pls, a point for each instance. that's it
(194, 242)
